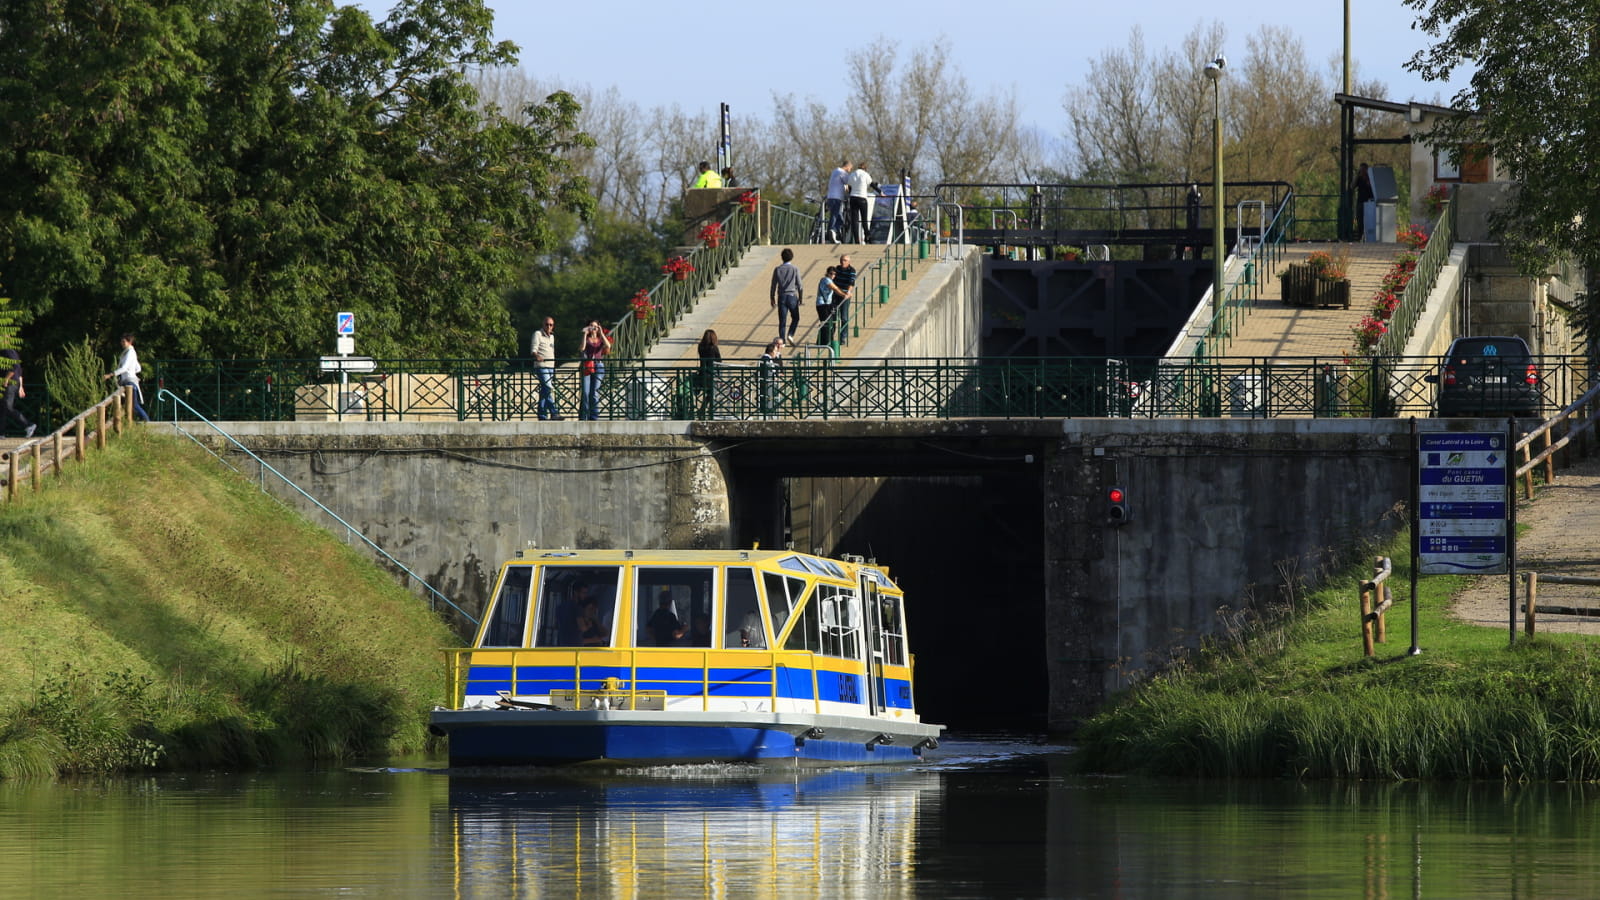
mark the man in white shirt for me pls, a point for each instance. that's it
(838, 187)
(544, 361)
(860, 189)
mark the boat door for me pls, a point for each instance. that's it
(869, 599)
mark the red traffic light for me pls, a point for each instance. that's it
(1116, 505)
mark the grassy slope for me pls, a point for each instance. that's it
(1298, 699)
(154, 599)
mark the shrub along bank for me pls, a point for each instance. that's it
(1298, 699)
(160, 611)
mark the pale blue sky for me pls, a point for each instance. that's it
(701, 54)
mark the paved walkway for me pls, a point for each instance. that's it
(1275, 330)
(1558, 538)
(740, 311)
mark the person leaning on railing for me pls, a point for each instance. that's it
(710, 358)
(544, 359)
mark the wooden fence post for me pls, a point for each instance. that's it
(78, 436)
(56, 440)
(1549, 461)
(1531, 580)
(1366, 619)
(38, 457)
(1527, 477)
(1375, 601)
(11, 476)
(100, 428)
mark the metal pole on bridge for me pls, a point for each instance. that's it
(1214, 72)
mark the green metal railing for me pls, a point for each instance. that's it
(877, 283)
(791, 226)
(633, 337)
(1239, 297)
(1415, 296)
(182, 412)
(821, 388)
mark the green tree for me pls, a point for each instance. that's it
(221, 176)
(1536, 101)
(590, 275)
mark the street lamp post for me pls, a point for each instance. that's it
(1214, 72)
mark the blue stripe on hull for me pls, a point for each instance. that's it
(651, 745)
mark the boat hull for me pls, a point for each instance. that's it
(496, 737)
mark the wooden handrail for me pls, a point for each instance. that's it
(78, 428)
(1375, 601)
(1590, 399)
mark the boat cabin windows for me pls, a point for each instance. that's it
(577, 606)
(829, 624)
(509, 618)
(892, 630)
(812, 565)
(742, 611)
(840, 633)
(673, 606)
(783, 595)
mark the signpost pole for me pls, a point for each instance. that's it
(1416, 530)
(1511, 526)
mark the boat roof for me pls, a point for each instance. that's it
(784, 559)
(537, 554)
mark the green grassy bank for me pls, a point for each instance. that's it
(1296, 698)
(158, 610)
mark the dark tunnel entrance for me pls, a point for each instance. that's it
(967, 547)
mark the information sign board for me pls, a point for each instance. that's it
(1462, 503)
(344, 323)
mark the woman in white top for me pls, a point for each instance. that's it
(127, 373)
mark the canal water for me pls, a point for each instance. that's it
(983, 818)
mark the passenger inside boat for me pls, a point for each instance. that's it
(747, 635)
(699, 633)
(565, 593)
(590, 631)
(664, 626)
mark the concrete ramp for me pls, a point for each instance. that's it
(1275, 330)
(740, 311)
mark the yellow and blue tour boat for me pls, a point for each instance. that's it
(651, 657)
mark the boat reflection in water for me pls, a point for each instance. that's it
(688, 831)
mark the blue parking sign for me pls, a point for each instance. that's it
(344, 323)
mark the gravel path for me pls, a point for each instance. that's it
(1562, 537)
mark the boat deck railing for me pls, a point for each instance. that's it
(630, 678)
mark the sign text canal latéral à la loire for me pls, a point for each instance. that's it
(1462, 503)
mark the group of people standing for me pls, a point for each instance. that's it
(848, 212)
(707, 177)
(591, 368)
(834, 293)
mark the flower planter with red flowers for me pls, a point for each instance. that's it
(713, 235)
(678, 267)
(642, 307)
(748, 201)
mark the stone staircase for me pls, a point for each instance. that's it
(740, 311)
